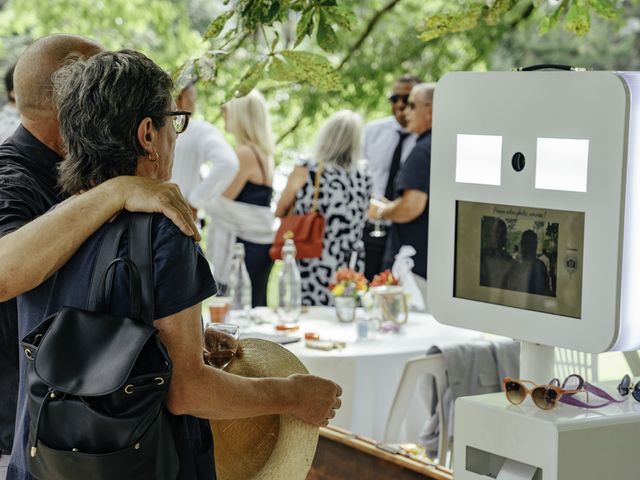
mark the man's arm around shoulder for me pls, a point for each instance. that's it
(34, 252)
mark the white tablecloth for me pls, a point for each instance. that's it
(368, 371)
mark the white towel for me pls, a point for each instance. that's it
(231, 220)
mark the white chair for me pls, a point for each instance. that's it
(421, 372)
(411, 405)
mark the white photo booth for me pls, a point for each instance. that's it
(538, 169)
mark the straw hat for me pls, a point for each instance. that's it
(267, 447)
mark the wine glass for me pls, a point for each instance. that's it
(377, 231)
(220, 343)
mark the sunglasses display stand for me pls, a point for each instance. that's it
(494, 439)
(534, 234)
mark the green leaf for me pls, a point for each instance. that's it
(275, 41)
(605, 8)
(304, 27)
(549, 22)
(341, 16)
(271, 12)
(314, 69)
(251, 78)
(326, 37)
(544, 26)
(282, 71)
(442, 23)
(578, 20)
(497, 11)
(217, 25)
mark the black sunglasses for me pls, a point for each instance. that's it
(180, 120)
(626, 386)
(395, 97)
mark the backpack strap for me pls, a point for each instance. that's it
(141, 253)
(140, 267)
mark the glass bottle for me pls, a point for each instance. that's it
(289, 285)
(239, 289)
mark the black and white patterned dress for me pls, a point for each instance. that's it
(343, 201)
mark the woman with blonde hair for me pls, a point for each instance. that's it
(344, 192)
(244, 213)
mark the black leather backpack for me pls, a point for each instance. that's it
(97, 382)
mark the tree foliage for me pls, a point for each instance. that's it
(312, 57)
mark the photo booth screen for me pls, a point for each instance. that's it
(519, 257)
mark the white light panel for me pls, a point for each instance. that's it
(478, 159)
(562, 164)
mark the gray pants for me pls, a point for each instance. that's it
(4, 462)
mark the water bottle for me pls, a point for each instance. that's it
(239, 289)
(289, 285)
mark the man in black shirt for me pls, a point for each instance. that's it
(409, 212)
(34, 240)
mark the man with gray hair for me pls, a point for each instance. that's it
(36, 241)
(387, 144)
(409, 212)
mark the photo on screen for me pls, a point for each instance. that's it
(521, 257)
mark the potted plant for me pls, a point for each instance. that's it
(346, 291)
(389, 297)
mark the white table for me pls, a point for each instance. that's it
(368, 371)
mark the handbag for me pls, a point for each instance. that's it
(306, 231)
(96, 382)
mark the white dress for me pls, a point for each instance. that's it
(343, 201)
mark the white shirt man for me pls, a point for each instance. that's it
(380, 141)
(204, 163)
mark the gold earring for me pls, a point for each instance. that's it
(153, 159)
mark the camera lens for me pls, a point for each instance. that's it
(518, 161)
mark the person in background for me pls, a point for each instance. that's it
(387, 144)
(409, 211)
(201, 144)
(344, 194)
(9, 115)
(36, 241)
(136, 134)
(246, 216)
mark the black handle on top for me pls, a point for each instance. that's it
(550, 66)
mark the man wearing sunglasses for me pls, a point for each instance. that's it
(201, 145)
(387, 144)
(408, 212)
(36, 240)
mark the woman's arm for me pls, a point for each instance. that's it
(203, 391)
(295, 182)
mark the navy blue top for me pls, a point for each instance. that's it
(255, 194)
(27, 190)
(182, 278)
(414, 175)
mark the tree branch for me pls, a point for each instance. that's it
(367, 31)
(356, 46)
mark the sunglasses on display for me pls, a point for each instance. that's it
(547, 397)
(626, 386)
(395, 97)
(180, 120)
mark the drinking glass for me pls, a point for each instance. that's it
(377, 231)
(220, 344)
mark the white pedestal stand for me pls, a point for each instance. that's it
(494, 439)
